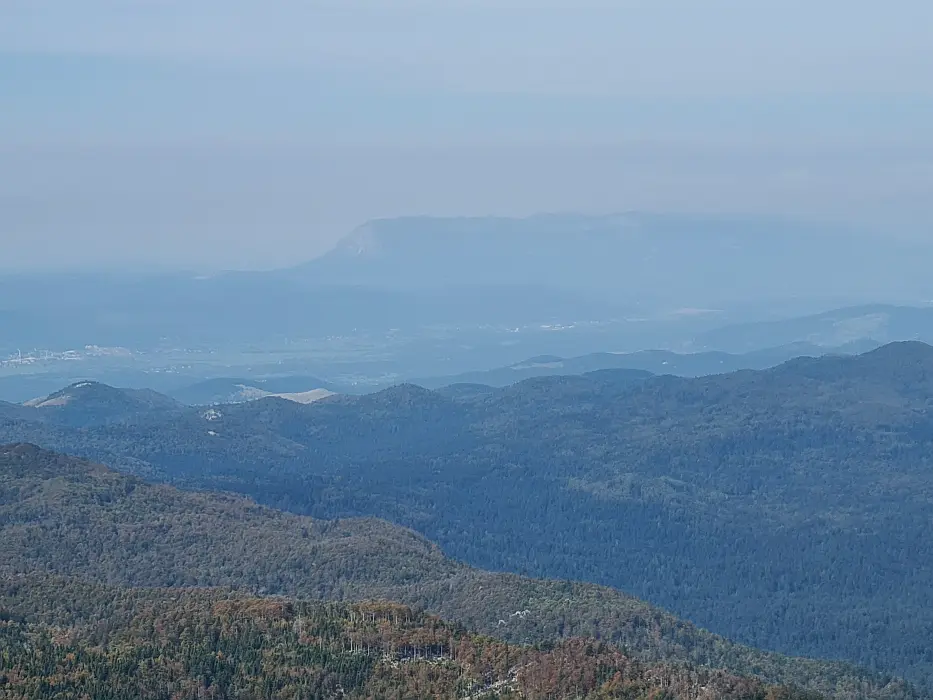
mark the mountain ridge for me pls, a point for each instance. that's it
(294, 648)
(76, 518)
(740, 487)
(652, 361)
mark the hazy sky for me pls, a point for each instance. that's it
(209, 133)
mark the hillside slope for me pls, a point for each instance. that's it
(99, 641)
(785, 508)
(65, 516)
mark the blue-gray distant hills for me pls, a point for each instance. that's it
(874, 323)
(664, 277)
(648, 361)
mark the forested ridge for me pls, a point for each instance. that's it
(63, 517)
(786, 508)
(107, 643)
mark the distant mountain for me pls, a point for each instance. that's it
(90, 403)
(854, 326)
(641, 257)
(230, 390)
(541, 366)
(466, 290)
(645, 361)
(763, 505)
(65, 517)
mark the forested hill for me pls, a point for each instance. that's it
(101, 642)
(67, 517)
(786, 508)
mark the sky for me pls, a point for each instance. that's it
(210, 135)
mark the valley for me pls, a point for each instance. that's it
(79, 540)
(747, 502)
(466, 350)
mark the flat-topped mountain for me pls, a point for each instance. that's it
(627, 281)
(69, 517)
(644, 256)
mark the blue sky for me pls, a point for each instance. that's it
(240, 134)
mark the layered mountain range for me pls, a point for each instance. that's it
(785, 508)
(419, 272)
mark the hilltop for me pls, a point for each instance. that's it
(89, 403)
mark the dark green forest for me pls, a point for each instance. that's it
(67, 639)
(106, 532)
(787, 509)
